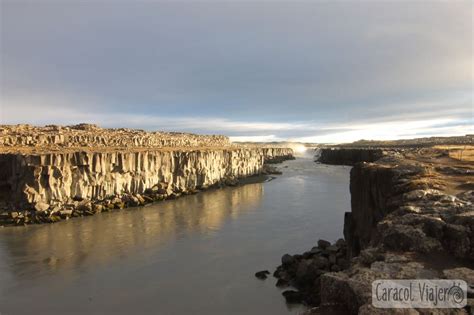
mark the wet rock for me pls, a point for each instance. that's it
(65, 213)
(287, 260)
(262, 274)
(85, 206)
(293, 297)
(148, 199)
(282, 283)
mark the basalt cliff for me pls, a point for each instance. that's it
(412, 217)
(52, 173)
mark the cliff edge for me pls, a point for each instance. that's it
(52, 173)
(412, 217)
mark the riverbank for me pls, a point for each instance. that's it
(412, 216)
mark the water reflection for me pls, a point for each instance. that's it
(194, 255)
(34, 251)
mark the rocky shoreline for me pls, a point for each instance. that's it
(412, 217)
(39, 184)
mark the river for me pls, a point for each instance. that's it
(194, 255)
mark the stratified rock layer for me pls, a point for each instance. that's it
(92, 136)
(58, 177)
(54, 172)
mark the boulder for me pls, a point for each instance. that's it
(293, 297)
(287, 260)
(41, 206)
(262, 274)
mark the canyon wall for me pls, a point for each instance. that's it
(349, 156)
(58, 178)
(54, 172)
(406, 206)
(412, 217)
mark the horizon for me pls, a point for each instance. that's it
(258, 72)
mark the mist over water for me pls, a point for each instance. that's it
(196, 254)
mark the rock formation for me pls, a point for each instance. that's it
(85, 169)
(349, 156)
(92, 136)
(412, 217)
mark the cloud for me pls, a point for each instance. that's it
(288, 70)
(442, 122)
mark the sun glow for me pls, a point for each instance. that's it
(300, 149)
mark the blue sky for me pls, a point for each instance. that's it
(320, 71)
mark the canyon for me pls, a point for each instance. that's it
(53, 173)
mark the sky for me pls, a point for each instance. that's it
(312, 71)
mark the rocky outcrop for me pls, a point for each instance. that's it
(402, 206)
(304, 271)
(412, 217)
(349, 156)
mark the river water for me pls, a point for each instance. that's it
(194, 255)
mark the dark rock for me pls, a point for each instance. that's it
(262, 274)
(341, 243)
(315, 250)
(281, 283)
(343, 263)
(401, 237)
(307, 255)
(278, 272)
(323, 244)
(293, 297)
(287, 260)
(369, 256)
(320, 262)
(332, 258)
